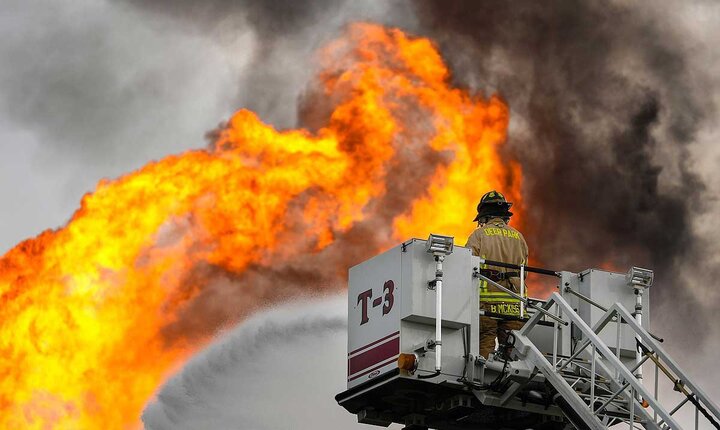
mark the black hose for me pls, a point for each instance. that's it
(679, 387)
(703, 411)
(466, 355)
(539, 270)
(507, 344)
(496, 383)
(432, 375)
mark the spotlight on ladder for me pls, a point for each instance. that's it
(439, 245)
(638, 277)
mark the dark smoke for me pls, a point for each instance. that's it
(283, 43)
(606, 109)
(272, 20)
(287, 35)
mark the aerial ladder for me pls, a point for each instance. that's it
(583, 359)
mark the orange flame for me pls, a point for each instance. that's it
(85, 309)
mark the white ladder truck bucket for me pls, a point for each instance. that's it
(582, 360)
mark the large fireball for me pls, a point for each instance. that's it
(97, 313)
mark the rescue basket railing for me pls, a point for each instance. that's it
(532, 269)
(529, 303)
(601, 307)
(610, 390)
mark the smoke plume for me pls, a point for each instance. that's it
(287, 35)
(607, 110)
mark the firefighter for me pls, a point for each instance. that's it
(495, 240)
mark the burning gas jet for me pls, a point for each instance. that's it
(95, 314)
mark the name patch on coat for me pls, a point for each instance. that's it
(505, 308)
(493, 231)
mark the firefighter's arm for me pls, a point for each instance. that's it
(473, 243)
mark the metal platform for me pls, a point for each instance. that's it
(426, 404)
(580, 360)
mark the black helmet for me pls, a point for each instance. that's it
(493, 204)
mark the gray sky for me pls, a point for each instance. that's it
(91, 89)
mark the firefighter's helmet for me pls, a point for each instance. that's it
(493, 204)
